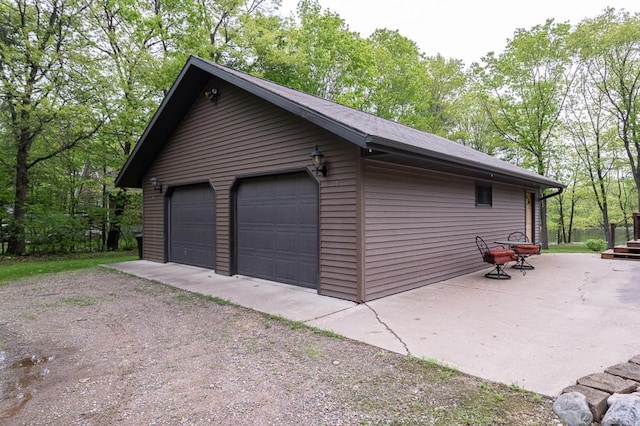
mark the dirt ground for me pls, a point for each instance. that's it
(98, 347)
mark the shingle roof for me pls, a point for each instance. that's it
(401, 143)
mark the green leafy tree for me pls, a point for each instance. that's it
(46, 96)
(127, 37)
(525, 91)
(472, 126)
(405, 86)
(445, 90)
(588, 126)
(213, 28)
(609, 45)
(398, 77)
(317, 55)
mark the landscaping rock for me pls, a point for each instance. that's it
(608, 383)
(573, 409)
(635, 359)
(627, 370)
(596, 399)
(624, 410)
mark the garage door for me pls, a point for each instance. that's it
(192, 226)
(277, 229)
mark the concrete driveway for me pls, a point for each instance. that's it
(574, 315)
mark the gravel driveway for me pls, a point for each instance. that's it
(98, 347)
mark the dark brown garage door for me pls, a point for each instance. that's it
(277, 224)
(192, 226)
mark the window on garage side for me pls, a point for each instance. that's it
(484, 195)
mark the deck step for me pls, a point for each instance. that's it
(626, 249)
(611, 254)
(633, 243)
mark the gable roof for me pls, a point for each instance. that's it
(390, 141)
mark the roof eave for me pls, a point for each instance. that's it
(492, 173)
(169, 113)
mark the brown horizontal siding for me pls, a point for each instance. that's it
(420, 226)
(241, 135)
(152, 218)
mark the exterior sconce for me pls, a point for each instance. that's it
(156, 184)
(212, 94)
(317, 161)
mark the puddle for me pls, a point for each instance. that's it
(32, 360)
(19, 381)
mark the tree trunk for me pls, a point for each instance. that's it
(637, 179)
(117, 204)
(561, 236)
(607, 228)
(572, 215)
(17, 244)
(105, 217)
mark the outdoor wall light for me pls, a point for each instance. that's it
(212, 94)
(155, 184)
(317, 161)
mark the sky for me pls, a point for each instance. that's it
(461, 29)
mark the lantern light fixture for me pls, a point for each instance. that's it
(156, 184)
(317, 162)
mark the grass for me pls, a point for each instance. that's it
(433, 363)
(568, 248)
(298, 325)
(186, 297)
(77, 301)
(442, 395)
(313, 353)
(27, 266)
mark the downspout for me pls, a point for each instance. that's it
(555, 194)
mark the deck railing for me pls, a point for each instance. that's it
(636, 229)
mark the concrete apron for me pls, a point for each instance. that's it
(572, 316)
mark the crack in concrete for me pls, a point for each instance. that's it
(406, 348)
(581, 288)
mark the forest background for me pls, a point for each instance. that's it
(80, 80)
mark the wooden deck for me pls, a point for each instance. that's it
(629, 251)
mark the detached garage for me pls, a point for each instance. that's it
(248, 177)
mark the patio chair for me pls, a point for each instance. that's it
(497, 256)
(523, 251)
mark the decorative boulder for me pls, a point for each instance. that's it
(624, 410)
(573, 409)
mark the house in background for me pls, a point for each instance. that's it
(228, 184)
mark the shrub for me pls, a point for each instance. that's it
(596, 244)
